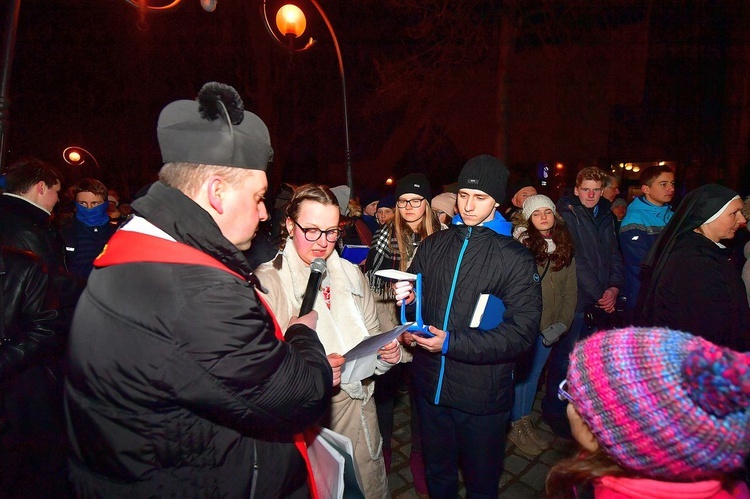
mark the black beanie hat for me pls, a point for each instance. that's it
(487, 174)
(414, 183)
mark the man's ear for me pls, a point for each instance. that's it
(40, 187)
(645, 189)
(215, 189)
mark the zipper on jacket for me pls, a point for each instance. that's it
(448, 312)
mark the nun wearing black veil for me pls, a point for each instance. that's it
(689, 283)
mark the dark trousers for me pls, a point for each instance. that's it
(386, 391)
(453, 438)
(33, 445)
(553, 409)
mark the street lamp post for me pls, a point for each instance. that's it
(290, 21)
(11, 25)
(74, 155)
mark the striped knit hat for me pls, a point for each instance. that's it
(662, 403)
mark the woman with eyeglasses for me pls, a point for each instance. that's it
(393, 247)
(658, 414)
(346, 315)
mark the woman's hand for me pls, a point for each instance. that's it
(336, 362)
(403, 291)
(391, 352)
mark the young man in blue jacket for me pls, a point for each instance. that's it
(646, 217)
(463, 376)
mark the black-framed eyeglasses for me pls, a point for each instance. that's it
(312, 234)
(414, 203)
(562, 391)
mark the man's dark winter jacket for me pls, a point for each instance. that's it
(33, 439)
(178, 386)
(83, 243)
(598, 258)
(26, 227)
(29, 328)
(474, 372)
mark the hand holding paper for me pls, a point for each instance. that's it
(390, 352)
(336, 362)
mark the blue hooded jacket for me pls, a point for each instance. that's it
(639, 231)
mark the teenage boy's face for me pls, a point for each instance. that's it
(661, 190)
(589, 192)
(475, 206)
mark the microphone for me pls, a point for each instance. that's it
(317, 267)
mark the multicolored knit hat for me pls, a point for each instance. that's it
(663, 404)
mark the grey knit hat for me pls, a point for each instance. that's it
(214, 129)
(487, 174)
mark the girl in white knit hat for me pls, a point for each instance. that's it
(538, 227)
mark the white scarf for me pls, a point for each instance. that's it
(342, 326)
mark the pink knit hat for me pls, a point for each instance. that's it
(664, 404)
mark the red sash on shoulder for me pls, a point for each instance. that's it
(134, 247)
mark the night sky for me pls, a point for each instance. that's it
(428, 84)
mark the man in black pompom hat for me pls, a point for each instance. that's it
(463, 372)
(181, 383)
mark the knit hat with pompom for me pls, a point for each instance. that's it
(663, 404)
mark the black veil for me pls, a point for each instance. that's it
(698, 206)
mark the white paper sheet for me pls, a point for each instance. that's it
(396, 274)
(328, 468)
(362, 359)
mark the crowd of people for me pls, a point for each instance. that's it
(168, 351)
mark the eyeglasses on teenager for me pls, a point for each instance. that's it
(414, 203)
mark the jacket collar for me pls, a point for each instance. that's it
(25, 208)
(183, 219)
(498, 224)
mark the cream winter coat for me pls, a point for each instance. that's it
(351, 318)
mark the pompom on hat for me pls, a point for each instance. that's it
(533, 203)
(214, 129)
(487, 174)
(663, 404)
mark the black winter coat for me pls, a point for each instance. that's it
(29, 330)
(178, 386)
(702, 293)
(598, 259)
(32, 438)
(26, 227)
(83, 243)
(474, 374)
